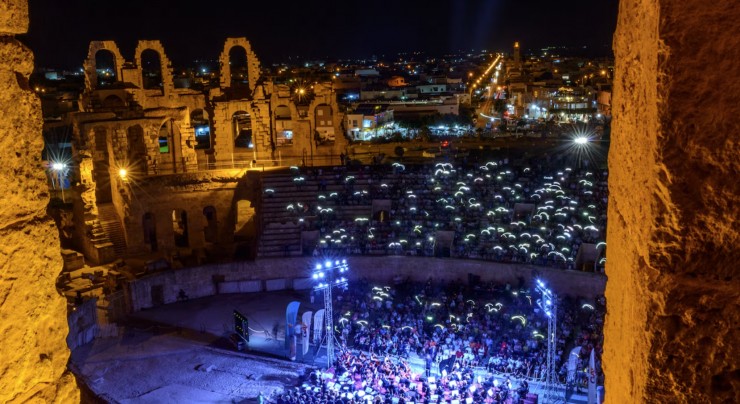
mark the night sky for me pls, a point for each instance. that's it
(61, 29)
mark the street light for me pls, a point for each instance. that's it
(59, 171)
(123, 173)
(328, 275)
(581, 140)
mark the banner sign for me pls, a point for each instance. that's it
(306, 330)
(291, 317)
(318, 326)
(573, 361)
(592, 379)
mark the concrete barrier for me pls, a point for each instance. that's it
(241, 277)
(272, 285)
(240, 287)
(302, 283)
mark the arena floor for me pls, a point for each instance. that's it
(180, 353)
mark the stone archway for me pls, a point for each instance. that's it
(165, 63)
(151, 70)
(201, 123)
(90, 65)
(113, 101)
(105, 66)
(180, 228)
(253, 64)
(241, 130)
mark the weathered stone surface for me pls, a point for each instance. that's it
(32, 313)
(13, 17)
(673, 292)
(15, 57)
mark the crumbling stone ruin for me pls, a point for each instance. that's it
(671, 329)
(136, 132)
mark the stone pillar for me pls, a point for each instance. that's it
(671, 333)
(33, 315)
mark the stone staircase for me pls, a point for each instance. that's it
(101, 249)
(281, 228)
(280, 240)
(281, 232)
(111, 225)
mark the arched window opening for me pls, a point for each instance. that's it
(238, 66)
(150, 230)
(151, 70)
(180, 228)
(201, 125)
(113, 101)
(164, 138)
(241, 123)
(211, 229)
(105, 68)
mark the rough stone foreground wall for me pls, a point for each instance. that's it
(673, 290)
(33, 315)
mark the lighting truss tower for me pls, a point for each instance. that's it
(329, 275)
(549, 304)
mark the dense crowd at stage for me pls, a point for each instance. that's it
(538, 212)
(479, 343)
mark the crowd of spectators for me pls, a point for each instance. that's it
(481, 342)
(538, 212)
(360, 378)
